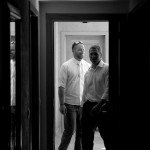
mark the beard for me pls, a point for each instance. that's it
(80, 56)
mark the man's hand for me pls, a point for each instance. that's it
(97, 109)
(63, 109)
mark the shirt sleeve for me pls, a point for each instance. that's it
(62, 79)
(106, 91)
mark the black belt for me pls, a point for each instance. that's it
(93, 102)
(71, 105)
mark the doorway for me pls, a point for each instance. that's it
(114, 48)
(65, 33)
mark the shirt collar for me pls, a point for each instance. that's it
(77, 61)
(101, 64)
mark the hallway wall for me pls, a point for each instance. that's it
(16, 9)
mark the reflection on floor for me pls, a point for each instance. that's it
(98, 142)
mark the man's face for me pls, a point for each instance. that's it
(95, 56)
(79, 51)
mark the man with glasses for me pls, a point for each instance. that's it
(71, 80)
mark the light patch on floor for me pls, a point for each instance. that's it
(98, 142)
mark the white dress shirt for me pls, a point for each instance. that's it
(71, 77)
(96, 83)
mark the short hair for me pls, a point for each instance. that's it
(96, 47)
(76, 43)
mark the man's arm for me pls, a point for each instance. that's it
(61, 92)
(106, 91)
(105, 97)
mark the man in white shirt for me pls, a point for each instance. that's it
(71, 82)
(95, 99)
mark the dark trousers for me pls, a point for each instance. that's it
(105, 124)
(72, 123)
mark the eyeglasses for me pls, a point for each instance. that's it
(76, 43)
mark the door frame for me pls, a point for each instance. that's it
(114, 51)
(34, 79)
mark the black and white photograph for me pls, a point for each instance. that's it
(74, 74)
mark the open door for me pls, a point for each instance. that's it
(5, 108)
